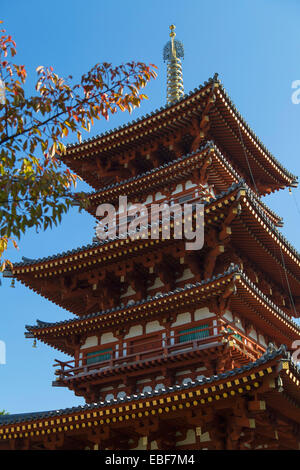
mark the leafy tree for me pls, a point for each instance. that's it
(35, 188)
(3, 412)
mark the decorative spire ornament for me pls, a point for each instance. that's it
(172, 53)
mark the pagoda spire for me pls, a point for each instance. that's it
(172, 53)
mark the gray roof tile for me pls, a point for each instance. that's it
(32, 416)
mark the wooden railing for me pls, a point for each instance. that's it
(164, 347)
(247, 345)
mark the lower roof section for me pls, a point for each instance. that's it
(208, 383)
(269, 385)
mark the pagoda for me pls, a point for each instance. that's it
(173, 348)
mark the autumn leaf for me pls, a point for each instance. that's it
(35, 189)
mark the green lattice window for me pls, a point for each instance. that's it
(236, 335)
(204, 333)
(104, 355)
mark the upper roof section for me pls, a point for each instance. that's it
(207, 113)
(220, 174)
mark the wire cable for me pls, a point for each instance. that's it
(282, 257)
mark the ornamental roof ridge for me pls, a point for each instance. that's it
(211, 80)
(253, 193)
(233, 269)
(270, 355)
(267, 220)
(258, 201)
(269, 301)
(207, 145)
(230, 270)
(232, 188)
(210, 144)
(248, 128)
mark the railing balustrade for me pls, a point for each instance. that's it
(194, 339)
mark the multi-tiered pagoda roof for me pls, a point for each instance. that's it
(216, 326)
(228, 129)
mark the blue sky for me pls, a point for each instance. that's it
(254, 45)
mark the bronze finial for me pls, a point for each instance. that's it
(172, 53)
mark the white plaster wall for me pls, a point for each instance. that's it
(253, 334)
(189, 184)
(205, 437)
(183, 372)
(149, 199)
(142, 381)
(182, 318)
(107, 338)
(228, 315)
(135, 330)
(190, 438)
(262, 341)
(90, 342)
(178, 189)
(159, 196)
(157, 283)
(215, 331)
(153, 326)
(130, 291)
(202, 313)
(142, 444)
